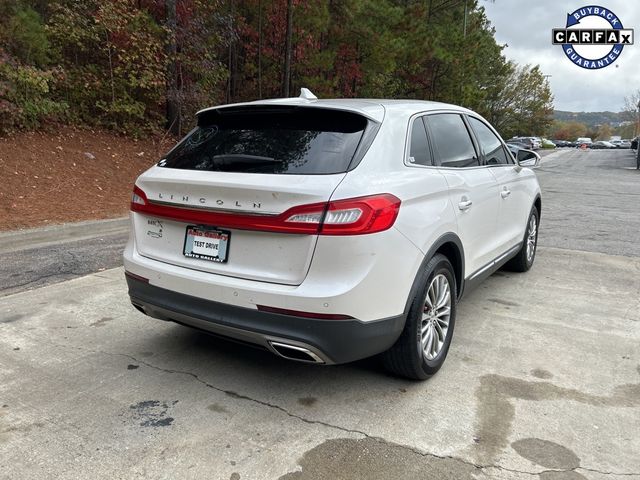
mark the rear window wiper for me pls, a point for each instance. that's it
(244, 158)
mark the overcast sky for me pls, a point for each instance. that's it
(525, 26)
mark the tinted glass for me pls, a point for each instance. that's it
(451, 140)
(490, 144)
(419, 152)
(282, 140)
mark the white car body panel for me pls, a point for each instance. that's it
(366, 293)
(280, 258)
(517, 187)
(476, 226)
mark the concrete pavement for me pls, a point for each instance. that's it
(543, 376)
(591, 201)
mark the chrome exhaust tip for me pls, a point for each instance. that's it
(295, 352)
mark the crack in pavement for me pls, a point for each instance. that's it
(362, 433)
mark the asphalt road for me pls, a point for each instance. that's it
(40, 257)
(591, 201)
(542, 379)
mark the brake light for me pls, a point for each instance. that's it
(354, 216)
(137, 197)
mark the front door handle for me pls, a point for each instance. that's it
(505, 192)
(465, 205)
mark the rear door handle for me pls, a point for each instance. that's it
(465, 205)
(505, 192)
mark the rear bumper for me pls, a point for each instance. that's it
(331, 341)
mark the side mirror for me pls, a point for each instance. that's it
(528, 158)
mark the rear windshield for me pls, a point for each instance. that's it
(275, 140)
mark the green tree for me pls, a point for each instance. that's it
(570, 130)
(113, 54)
(25, 37)
(522, 104)
(604, 132)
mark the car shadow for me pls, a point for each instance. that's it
(192, 351)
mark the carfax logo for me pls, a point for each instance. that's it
(593, 38)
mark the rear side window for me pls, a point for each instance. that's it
(490, 144)
(272, 140)
(419, 151)
(451, 140)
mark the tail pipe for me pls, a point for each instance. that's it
(295, 352)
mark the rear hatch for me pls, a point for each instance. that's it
(227, 198)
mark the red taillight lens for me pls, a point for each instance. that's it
(354, 216)
(136, 277)
(138, 199)
(298, 313)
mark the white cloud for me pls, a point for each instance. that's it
(526, 26)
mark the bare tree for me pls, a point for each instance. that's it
(287, 53)
(631, 111)
(260, 40)
(173, 104)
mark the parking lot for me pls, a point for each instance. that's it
(542, 379)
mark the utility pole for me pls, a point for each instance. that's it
(636, 130)
(173, 105)
(260, 49)
(466, 14)
(287, 53)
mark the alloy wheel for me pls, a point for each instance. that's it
(531, 238)
(435, 317)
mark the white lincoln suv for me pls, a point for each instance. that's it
(327, 231)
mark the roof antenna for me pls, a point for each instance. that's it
(307, 94)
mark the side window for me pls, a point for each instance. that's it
(451, 140)
(490, 144)
(419, 151)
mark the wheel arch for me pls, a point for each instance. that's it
(538, 204)
(449, 245)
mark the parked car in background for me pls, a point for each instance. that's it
(548, 143)
(526, 142)
(621, 143)
(562, 143)
(520, 144)
(583, 141)
(326, 231)
(536, 143)
(523, 155)
(602, 144)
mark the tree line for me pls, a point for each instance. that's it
(143, 65)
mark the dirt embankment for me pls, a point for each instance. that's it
(70, 175)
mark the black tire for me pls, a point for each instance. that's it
(406, 357)
(521, 262)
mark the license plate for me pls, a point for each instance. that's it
(206, 243)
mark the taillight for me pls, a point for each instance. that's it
(354, 216)
(137, 198)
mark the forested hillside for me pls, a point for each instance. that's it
(592, 119)
(137, 66)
